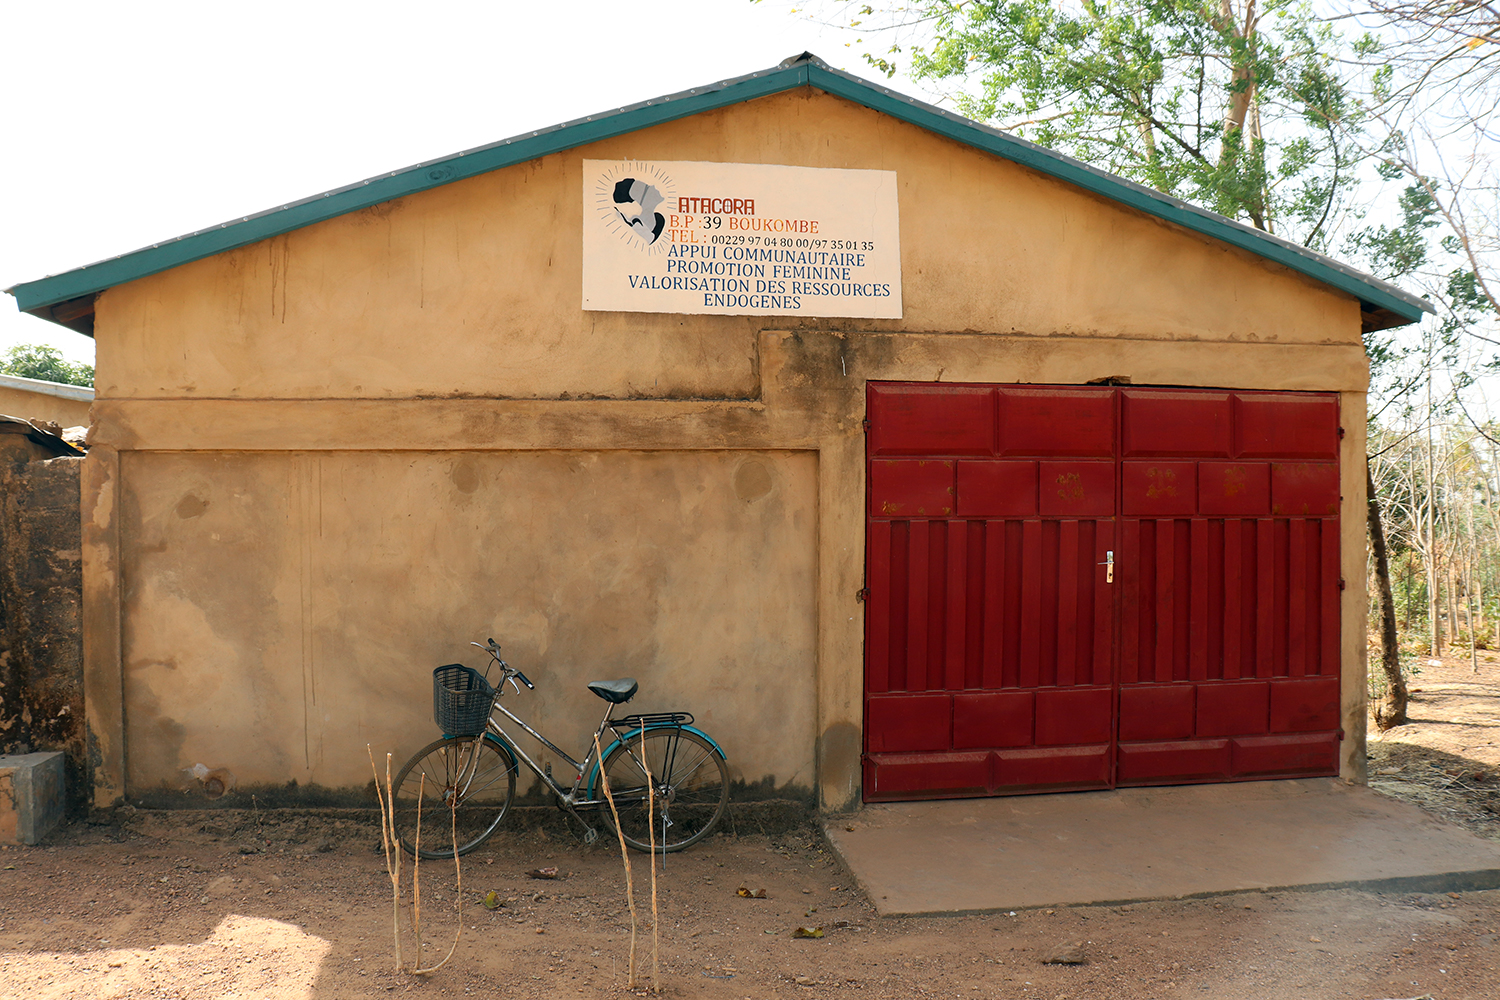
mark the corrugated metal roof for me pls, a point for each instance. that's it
(67, 298)
(61, 390)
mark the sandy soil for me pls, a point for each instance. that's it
(1446, 759)
(297, 906)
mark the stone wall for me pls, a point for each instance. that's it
(41, 591)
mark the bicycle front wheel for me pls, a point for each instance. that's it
(474, 777)
(690, 782)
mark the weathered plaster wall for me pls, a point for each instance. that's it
(473, 288)
(31, 405)
(284, 610)
(41, 649)
(278, 547)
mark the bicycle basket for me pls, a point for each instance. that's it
(461, 700)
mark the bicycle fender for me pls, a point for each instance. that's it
(594, 771)
(500, 745)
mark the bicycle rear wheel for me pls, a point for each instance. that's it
(476, 772)
(691, 788)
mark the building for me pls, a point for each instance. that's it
(50, 402)
(912, 458)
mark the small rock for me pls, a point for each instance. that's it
(1066, 953)
(325, 845)
(806, 981)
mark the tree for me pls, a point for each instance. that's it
(1235, 105)
(1255, 109)
(42, 361)
(1433, 78)
(1390, 709)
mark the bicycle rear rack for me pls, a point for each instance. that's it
(635, 723)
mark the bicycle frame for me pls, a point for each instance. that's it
(568, 797)
(582, 791)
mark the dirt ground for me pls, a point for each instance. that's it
(1447, 758)
(285, 906)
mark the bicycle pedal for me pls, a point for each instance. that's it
(590, 835)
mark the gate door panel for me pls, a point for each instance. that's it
(1229, 586)
(1078, 587)
(990, 631)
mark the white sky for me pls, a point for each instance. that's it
(132, 123)
(129, 124)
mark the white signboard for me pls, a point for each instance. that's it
(740, 239)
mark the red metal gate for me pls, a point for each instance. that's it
(1077, 587)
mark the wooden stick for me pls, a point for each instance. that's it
(387, 835)
(624, 856)
(416, 870)
(458, 873)
(651, 826)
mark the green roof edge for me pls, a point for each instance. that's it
(798, 71)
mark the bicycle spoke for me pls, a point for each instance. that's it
(691, 783)
(475, 779)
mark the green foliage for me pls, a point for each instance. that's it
(1396, 251)
(1245, 115)
(42, 361)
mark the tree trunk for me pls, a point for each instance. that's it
(1433, 607)
(1473, 635)
(1452, 584)
(1390, 710)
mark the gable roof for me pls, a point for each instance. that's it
(68, 298)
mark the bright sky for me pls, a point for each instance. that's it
(132, 123)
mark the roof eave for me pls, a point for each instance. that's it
(81, 284)
(68, 298)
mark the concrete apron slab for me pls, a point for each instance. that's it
(1135, 844)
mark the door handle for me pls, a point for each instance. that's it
(1109, 565)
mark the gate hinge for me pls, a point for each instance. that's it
(865, 425)
(863, 594)
(1341, 583)
(1341, 735)
(1341, 434)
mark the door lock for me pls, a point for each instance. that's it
(1109, 565)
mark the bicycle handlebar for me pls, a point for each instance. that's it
(508, 672)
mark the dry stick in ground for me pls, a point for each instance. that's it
(391, 844)
(458, 875)
(387, 838)
(651, 828)
(624, 856)
(416, 871)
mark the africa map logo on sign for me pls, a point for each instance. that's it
(628, 198)
(740, 239)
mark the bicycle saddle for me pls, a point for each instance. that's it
(615, 692)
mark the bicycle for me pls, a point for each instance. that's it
(474, 767)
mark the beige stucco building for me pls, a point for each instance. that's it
(53, 402)
(335, 442)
